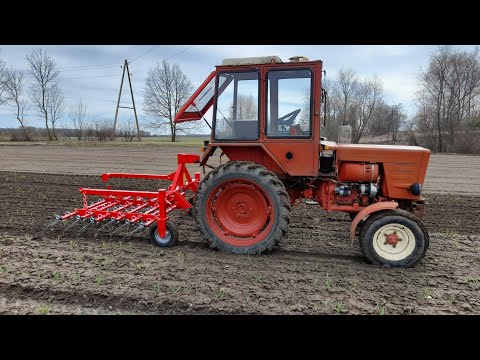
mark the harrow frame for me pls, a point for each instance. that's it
(140, 207)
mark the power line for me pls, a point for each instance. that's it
(145, 53)
(85, 66)
(91, 68)
(94, 67)
(86, 77)
(170, 57)
(180, 52)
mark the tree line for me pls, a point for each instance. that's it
(359, 102)
(447, 117)
(448, 112)
(37, 92)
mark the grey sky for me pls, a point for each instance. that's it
(396, 65)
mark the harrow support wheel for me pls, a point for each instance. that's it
(394, 238)
(242, 208)
(171, 236)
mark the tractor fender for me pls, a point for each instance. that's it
(384, 205)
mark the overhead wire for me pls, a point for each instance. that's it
(145, 53)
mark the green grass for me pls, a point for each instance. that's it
(56, 275)
(339, 307)
(3, 270)
(157, 288)
(425, 293)
(174, 289)
(76, 279)
(137, 265)
(99, 279)
(44, 310)
(474, 280)
(328, 282)
(258, 277)
(219, 294)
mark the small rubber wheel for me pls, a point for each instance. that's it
(394, 238)
(171, 236)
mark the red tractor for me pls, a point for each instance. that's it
(267, 121)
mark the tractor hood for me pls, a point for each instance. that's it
(403, 166)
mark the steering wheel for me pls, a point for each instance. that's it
(287, 120)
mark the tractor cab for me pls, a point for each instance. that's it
(269, 107)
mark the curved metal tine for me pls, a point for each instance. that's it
(91, 222)
(72, 224)
(120, 228)
(50, 225)
(104, 226)
(137, 229)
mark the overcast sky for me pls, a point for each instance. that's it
(93, 73)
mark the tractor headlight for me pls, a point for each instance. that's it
(415, 189)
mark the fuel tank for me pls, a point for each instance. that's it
(358, 172)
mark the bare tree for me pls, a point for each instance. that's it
(247, 108)
(45, 78)
(347, 82)
(449, 100)
(433, 83)
(3, 82)
(128, 130)
(14, 88)
(55, 106)
(167, 88)
(397, 119)
(387, 119)
(78, 115)
(369, 93)
(334, 110)
(104, 130)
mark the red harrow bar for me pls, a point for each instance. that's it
(143, 208)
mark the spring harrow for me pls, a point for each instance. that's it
(137, 209)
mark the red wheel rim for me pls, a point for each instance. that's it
(239, 212)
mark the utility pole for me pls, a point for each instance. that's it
(125, 67)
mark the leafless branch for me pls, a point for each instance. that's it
(167, 88)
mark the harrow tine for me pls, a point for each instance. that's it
(90, 223)
(120, 228)
(104, 226)
(50, 225)
(139, 228)
(72, 224)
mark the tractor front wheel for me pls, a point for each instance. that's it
(242, 208)
(393, 238)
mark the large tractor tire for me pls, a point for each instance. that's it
(242, 208)
(394, 238)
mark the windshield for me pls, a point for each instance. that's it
(237, 107)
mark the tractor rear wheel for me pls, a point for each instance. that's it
(393, 238)
(242, 208)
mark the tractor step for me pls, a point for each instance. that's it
(142, 208)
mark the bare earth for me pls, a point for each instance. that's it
(315, 270)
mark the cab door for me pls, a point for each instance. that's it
(292, 116)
